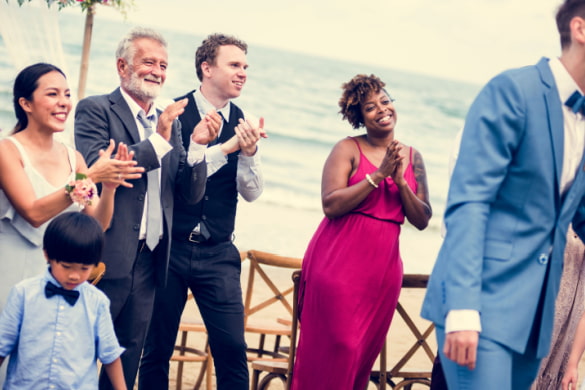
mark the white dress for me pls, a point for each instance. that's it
(21, 245)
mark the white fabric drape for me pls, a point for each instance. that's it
(31, 34)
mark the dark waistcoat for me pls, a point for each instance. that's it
(217, 209)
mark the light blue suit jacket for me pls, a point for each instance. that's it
(506, 220)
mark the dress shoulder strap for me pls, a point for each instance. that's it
(24, 156)
(72, 159)
(354, 139)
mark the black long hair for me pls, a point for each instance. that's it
(25, 85)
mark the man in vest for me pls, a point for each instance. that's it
(203, 257)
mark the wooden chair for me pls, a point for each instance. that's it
(185, 352)
(259, 264)
(277, 369)
(97, 273)
(407, 378)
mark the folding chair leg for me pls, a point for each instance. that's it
(209, 369)
(383, 376)
(255, 377)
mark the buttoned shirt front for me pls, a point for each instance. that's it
(53, 345)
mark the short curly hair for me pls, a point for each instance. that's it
(355, 91)
(209, 48)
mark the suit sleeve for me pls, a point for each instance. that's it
(96, 124)
(493, 129)
(191, 180)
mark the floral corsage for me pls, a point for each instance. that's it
(82, 191)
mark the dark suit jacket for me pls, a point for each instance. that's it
(99, 118)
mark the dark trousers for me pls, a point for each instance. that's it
(131, 301)
(438, 381)
(212, 272)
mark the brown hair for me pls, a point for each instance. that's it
(207, 52)
(566, 12)
(355, 91)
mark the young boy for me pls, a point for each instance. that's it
(55, 326)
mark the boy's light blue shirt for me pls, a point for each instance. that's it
(53, 345)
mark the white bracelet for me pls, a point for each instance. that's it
(369, 179)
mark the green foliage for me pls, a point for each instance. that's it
(121, 5)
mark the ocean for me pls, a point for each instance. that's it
(297, 95)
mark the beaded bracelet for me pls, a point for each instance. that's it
(82, 191)
(370, 180)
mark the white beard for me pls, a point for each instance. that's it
(144, 91)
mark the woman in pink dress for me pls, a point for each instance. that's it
(352, 270)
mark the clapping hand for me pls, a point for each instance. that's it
(114, 172)
(207, 129)
(248, 135)
(246, 138)
(164, 125)
(392, 164)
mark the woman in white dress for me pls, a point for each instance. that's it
(35, 169)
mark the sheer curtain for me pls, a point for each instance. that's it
(31, 34)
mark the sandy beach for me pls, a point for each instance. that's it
(400, 339)
(284, 231)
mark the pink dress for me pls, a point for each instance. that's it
(351, 280)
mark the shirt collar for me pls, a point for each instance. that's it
(204, 106)
(48, 277)
(135, 109)
(565, 83)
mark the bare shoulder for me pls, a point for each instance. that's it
(411, 151)
(347, 146)
(8, 148)
(345, 151)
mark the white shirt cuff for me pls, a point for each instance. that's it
(160, 145)
(458, 320)
(196, 153)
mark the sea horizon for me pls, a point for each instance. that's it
(297, 95)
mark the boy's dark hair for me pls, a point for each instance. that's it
(74, 237)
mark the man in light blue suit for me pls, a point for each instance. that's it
(518, 182)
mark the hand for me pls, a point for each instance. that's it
(461, 347)
(164, 125)
(207, 129)
(397, 161)
(252, 119)
(230, 145)
(115, 171)
(248, 135)
(570, 379)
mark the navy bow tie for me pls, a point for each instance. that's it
(576, 102)
(69, 295)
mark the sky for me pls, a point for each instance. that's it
(468, 40)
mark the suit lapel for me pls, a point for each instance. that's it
(121, 109)
(555, 119)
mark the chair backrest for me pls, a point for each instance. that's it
(97, 273)
(296, 277)
(260, 262)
